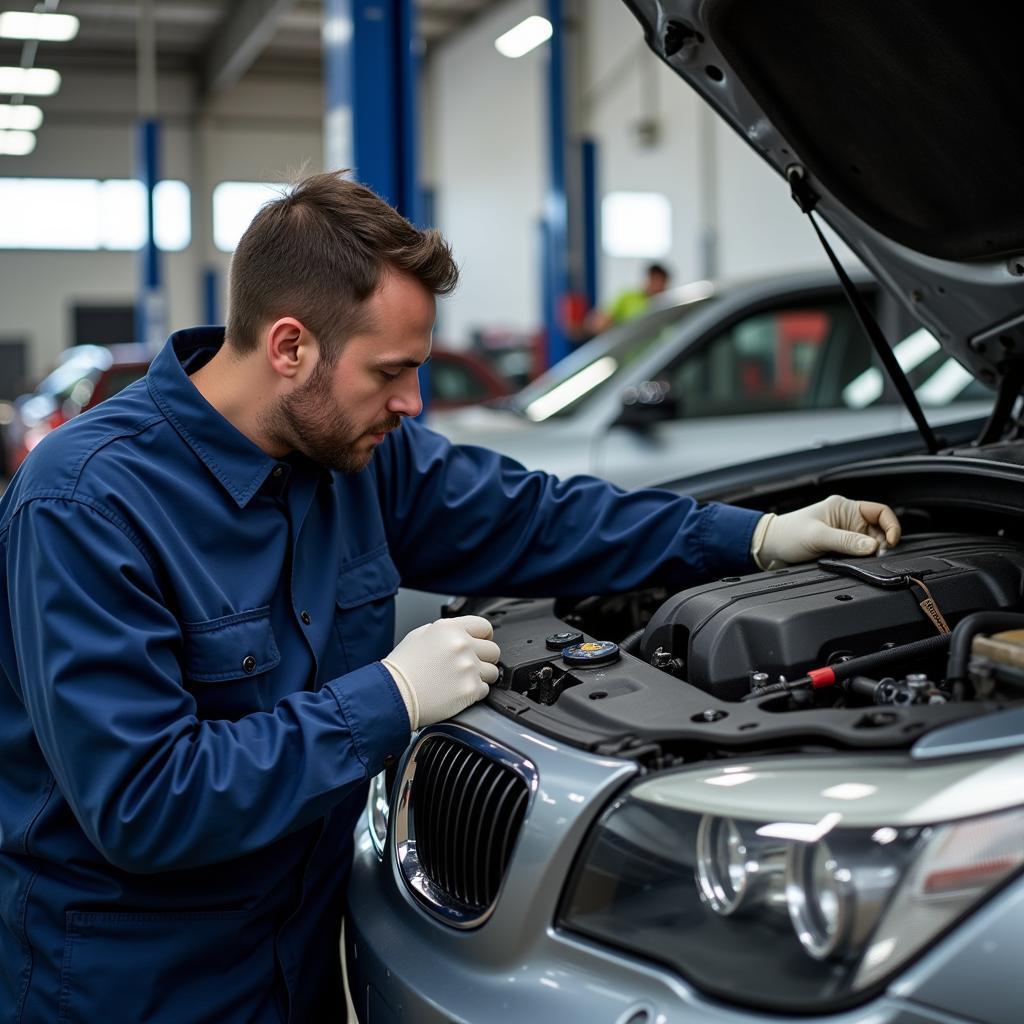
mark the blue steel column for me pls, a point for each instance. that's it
(590, 201)
(556, 229)
(151, 315)
(150, 309)
(371, 68)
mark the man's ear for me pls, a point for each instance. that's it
(291, 349)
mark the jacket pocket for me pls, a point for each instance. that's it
(231, 647)
(365, 607)
(166, 968)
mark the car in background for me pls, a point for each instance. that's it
(85, 376)
(458, 379)
(717, 373)
(789, 796)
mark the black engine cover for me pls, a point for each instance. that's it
(792, 620)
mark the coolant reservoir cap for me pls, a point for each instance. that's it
(559, 641)
(593, 652)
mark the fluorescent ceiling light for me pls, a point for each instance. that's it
(526, 36)
(16, 143)
(22, 116)
(29, 81)
(53, 28)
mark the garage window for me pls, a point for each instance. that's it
(86, 214)
(235, 203)
(636, 224)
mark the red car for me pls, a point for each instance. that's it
(87, 374)
(459, 378)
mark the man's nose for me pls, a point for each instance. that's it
(407, 401)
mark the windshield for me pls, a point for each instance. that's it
(86, 363)
(602, 362)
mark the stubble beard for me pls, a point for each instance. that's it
(309, 421)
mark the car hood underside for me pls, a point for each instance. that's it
(903, 119)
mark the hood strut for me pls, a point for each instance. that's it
(807, 199)
(1009, 392)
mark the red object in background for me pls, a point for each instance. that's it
(461, 378)
(86, 376)
(797, 330)
(572, 310)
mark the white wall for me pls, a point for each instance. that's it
(487, 166)
(257, 131)
(484, 153)
(489, 163)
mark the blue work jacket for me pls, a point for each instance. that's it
(191, 696)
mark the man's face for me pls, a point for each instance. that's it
(342, 412)
(657, 282)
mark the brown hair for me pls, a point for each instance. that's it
(318, 253)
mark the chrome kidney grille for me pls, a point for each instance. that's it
(462, 801)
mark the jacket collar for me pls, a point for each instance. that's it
(237, 463)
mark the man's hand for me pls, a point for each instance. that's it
(443, 667)
(836, 524)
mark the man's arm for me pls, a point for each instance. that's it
(462, 519)
(154, 787)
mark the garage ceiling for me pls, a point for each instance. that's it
(217, 39)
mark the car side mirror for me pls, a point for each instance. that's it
(648, 403)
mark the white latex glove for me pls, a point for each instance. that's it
(837, 524)
(443, 667)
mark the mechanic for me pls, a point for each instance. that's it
(197, 622)
(631, 302)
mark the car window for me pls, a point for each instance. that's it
(452, 381)
(600, 364)
(117, 379)
(809, 356)
(937, 378)
(795, 357)
(66, 377)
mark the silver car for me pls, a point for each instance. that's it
(795, 795)
(717, 373)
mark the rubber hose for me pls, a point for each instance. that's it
(868, 663)
(968, 628)
(864, 665)
(631, 644)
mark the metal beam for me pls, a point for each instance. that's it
(371, 75)
(248, 26)
(556, 217)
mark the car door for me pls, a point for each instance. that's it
(769, 380)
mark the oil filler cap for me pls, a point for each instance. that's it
(592, 653)
(559, 641)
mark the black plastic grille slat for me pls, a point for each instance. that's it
(436, 830)
(466, 792)
(423, 786)
(494, 825)
(466, 812)
(451, 793)
(490, 777)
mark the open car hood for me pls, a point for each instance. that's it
(904, 121)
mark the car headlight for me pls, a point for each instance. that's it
(378, 806)
(798, 884)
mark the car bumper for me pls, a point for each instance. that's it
(404, 965)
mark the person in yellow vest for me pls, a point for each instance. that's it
(631, 302)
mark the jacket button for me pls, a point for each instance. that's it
(248, 663)
(306, 620)
(277, 470)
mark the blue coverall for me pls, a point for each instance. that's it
(191, 701)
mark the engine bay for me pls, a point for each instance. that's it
(841, 653)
